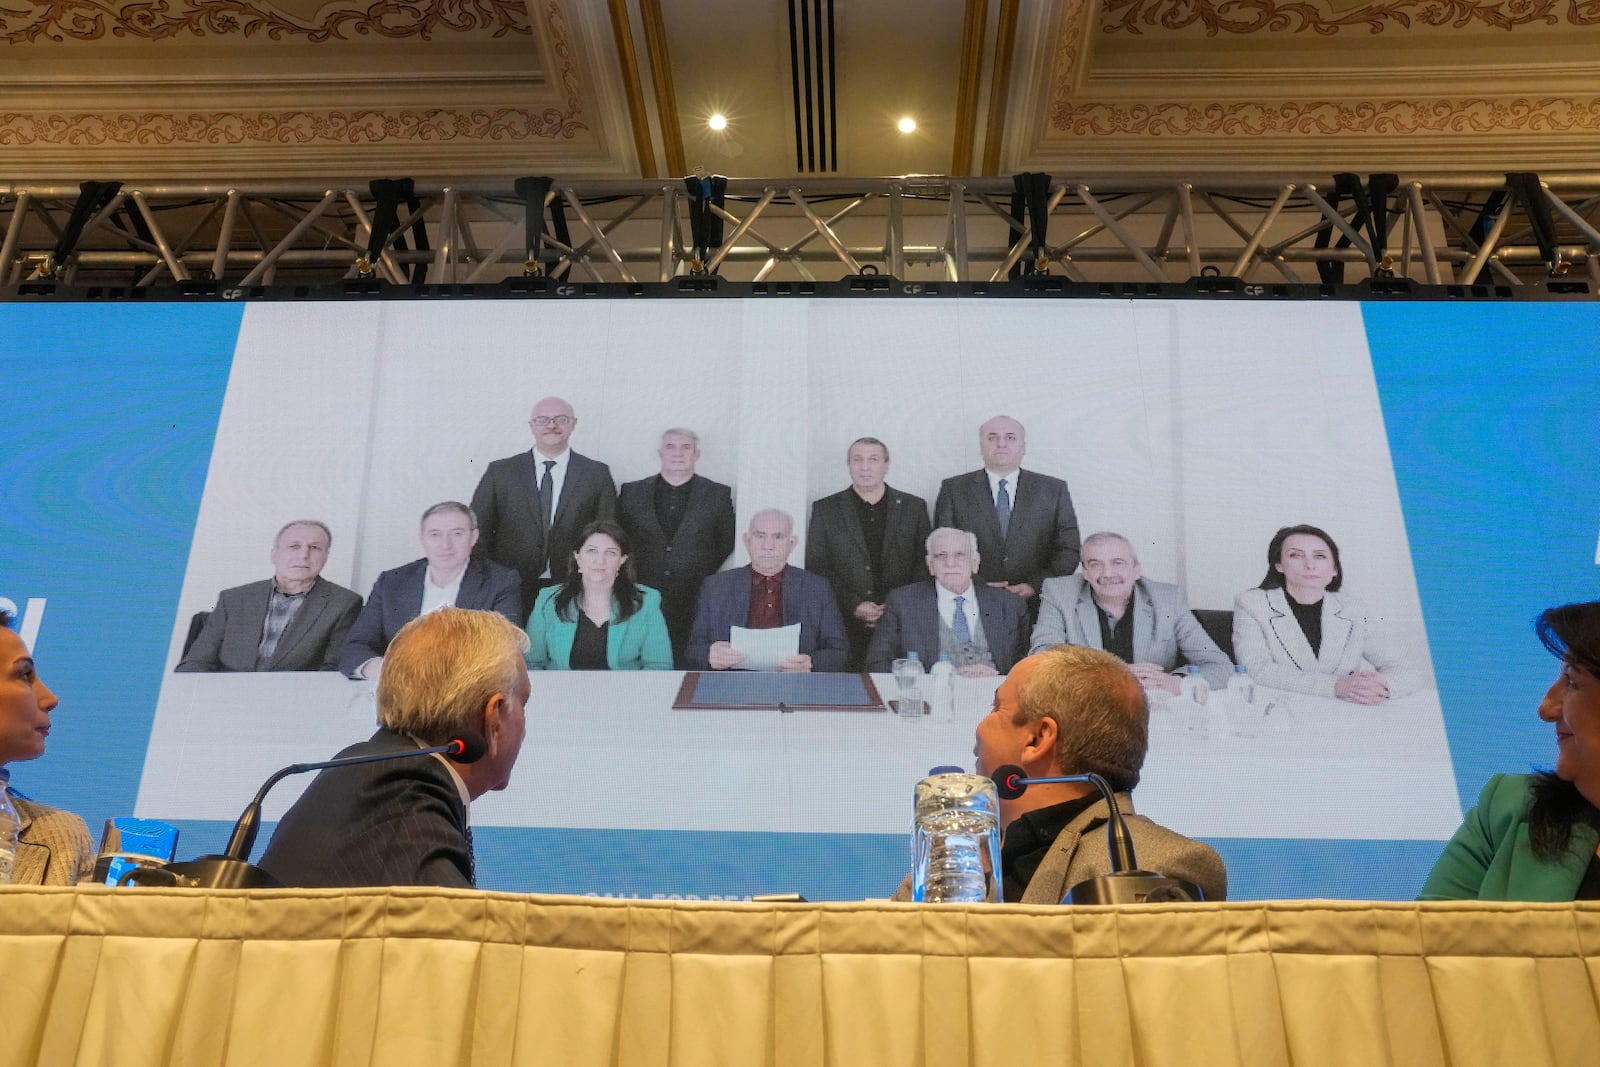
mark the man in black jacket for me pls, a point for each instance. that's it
(447, 674)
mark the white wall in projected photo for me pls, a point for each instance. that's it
(1196, 429)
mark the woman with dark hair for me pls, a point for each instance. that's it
(1296, 631)
(52, 845)
(1534, 836)
(599, 619)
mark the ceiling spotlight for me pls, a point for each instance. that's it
(907, 125)
(719, 121)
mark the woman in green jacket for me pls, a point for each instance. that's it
(599, 619)
(1534, 836)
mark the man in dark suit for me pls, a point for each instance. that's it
(531, 506)
(866, 540)
(447, 575)
(293, 621)
(983, 630)
(767, 593)
(449, 674)
(681, 526)
(1027, 530)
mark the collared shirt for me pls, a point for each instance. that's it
(947, 607)
(1028, 840)
(671, 501)
(281, 609)
(1011, 485)
(766, 601)
(874, 520)
(1117, 637)
(558, 478)
(455, 776)
(434, 597)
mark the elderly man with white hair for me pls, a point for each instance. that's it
(983, 629)
(765, 594)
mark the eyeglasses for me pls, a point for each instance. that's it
(562, 421)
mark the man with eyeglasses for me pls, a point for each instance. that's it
(531, 506)
(984, 630)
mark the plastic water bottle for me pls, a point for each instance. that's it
(955, 840)
(1242, 687)
(942, 680)
(1193, 687)
(10, 823)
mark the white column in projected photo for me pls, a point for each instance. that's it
(612, 752)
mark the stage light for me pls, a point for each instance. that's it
(719, 121)
(907, 125)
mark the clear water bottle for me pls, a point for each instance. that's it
(1241, 686)
(1193, 687)
(908, 679)
(10, 823)
(942, 680)
(955, 840)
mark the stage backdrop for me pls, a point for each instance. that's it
(155, 450)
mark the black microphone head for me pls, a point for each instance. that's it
(468, 747)
(1010, 781)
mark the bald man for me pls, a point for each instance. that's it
(531, 506)
(1027, 530)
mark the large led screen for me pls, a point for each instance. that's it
(154, 452)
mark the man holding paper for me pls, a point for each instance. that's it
(767, 595)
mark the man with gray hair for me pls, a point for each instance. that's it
(1110, 605)
(681, 526)
(294, 621)
(448, 674)
(447, 575)
(765, 594)
(981, 628)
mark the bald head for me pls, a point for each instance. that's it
(1003, 442)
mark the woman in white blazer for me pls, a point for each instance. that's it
(1298, 632)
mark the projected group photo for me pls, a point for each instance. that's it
(658, 487)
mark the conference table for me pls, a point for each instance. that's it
(611, 751)
(416, 976)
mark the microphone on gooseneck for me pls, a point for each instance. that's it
(1126, 884)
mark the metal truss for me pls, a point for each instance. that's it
(1531, 234)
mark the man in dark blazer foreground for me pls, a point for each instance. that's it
(1076, 710)
(404, 821)
(767, 593)
(1026, 528)
(446, 575)
(681, 529)
(310, 616)
(988, 639)
(531, 506)
(866, 540)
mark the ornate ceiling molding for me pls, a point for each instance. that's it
(93, 20)
(302, 127)
(1295, 16)
(1323, 117)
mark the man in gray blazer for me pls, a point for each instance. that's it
(1112, 606)
(866, 540)
(681, 526)
(982, 629)
(1026, 528)
(447, 575)
(1076, 710)
(294, 621)
(531, 506)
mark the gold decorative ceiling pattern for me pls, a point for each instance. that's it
(622, 88)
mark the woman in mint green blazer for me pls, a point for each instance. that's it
(599, 619)
(1535, 836)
